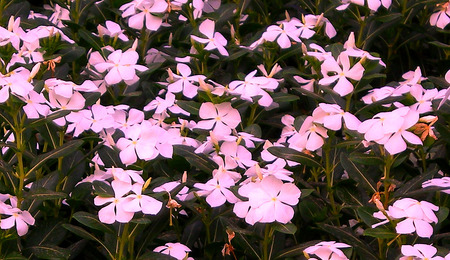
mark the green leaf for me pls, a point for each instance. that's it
(73, 167)
(190, 106)
(91, 221)
(156, 256)
(201, 161)
(442, 214)
(356, 174)
(310, 94)
(380, 232)
(110, 157)
(366, 159)
(71, 53)
(296, 250)
(48, 119)
(306, 193)
(61, 151)
(441, 45)
(50, 252)
(50, 134)
(102, 189)
(280, 97)
(414, 183)
(84, 234)
(15, 256)
(366, 215)
(87, 36)
(288, 228)
(294, 155)
(347, 236)
(348, 195)
(46, 194)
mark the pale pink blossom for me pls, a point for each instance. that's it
(341, 72)
(310, 136)
(331, 116)
(142, 12)
(269, 200)
(113, 30)
(222, 118)
(120, 66)
(115, 211)
(372, 4)
(419, 251)
(217, 191)
(19, 218)
(326, 250)
(441, 18)
(443, 182)
(139, 202)
(176, 250)
(215, 40)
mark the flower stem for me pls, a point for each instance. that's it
(123, 240)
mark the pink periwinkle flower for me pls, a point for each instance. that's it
(339, 70)
(142, 12)
(326, 250)
(443, 182)
(417, 216)
(19, 218)
(222, 118)
(331, 116)
(115, 210)
(120, 66)
(441, 18)
(372, 4)
(215, 40)
(269, 200)
(419, 251)
(310, 136)
(176, 250)
(390, 129)
(217, 191)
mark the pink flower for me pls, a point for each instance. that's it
(441, 18)
(310, 136)
(138, 202)
(112, 29)
(418, 216)
(328, 250)
(419, 251)
(215, 39)
(341, 70)
(443, 182)
(20, 219)
(120, 66)
(184, 82)
(217, 191)
(219, 117)
(115, 211)
(144, 10)
(269, 200)
(331, 115)
(177, 250)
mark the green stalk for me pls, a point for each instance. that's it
(123, 240)
(388, 161)
(266, 242)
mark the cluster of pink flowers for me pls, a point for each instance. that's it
(266, 189)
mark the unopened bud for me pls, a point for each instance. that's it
(184, 177)
(11, 24)
(34, 71)
(135, 44)
(288, 18)
(147, 183)
(319, 20)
